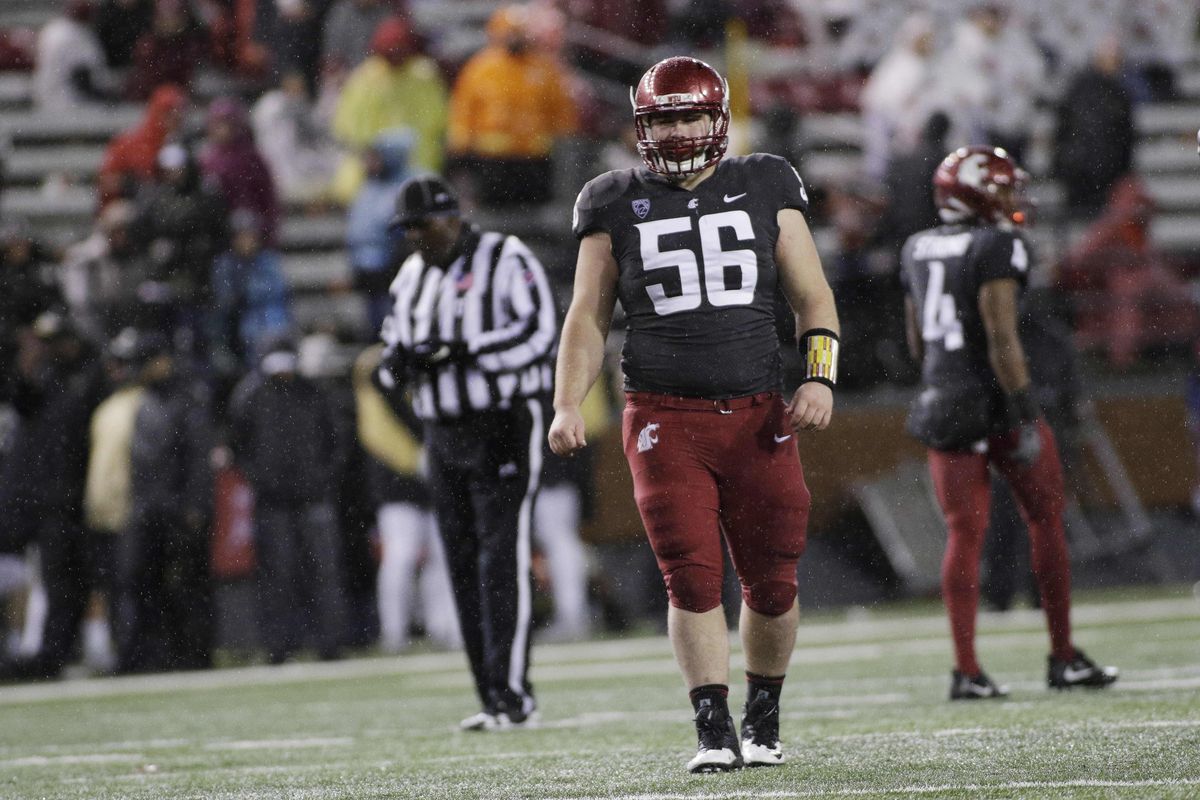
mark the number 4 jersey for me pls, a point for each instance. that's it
(942, 270)
(698, 278)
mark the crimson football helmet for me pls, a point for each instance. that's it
(681, 84)
(980, 183)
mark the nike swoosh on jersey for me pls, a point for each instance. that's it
(782, 439)
(730, 199)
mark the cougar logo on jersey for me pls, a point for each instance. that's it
(641, 208)
(648, 437)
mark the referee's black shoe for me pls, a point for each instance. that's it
(975, 687)
(1079, 671)
(500, 716)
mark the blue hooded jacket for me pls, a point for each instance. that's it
(367, 236)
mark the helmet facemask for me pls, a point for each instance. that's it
(680, 157)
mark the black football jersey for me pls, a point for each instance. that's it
(942, 270)
(698, 278)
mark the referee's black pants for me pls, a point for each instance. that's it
(484, 471)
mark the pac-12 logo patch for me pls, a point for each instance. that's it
(641, 207)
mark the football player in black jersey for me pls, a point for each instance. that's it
(695, 246)
(963, 281)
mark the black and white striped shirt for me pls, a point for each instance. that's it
(495, 299)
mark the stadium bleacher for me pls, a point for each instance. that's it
(51, 162)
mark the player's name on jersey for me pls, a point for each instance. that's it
(932, 246)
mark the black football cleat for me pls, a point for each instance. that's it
(975, 687)
(1079, 671)
(718, 749)
(502, 716)
(760, 733)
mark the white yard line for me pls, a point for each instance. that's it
(128, 745)
(281, 744)
(454, 676)
(80, 758)
(862, 624)
(817, 644)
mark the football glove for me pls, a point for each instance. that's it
(1029, 444)
(1028, 447)
(429, 356)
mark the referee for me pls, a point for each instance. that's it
(470, 339)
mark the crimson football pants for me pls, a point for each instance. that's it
(961, 482)
(703, 468)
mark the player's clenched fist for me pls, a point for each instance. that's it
(566, 432)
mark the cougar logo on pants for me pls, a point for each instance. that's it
(648, 437)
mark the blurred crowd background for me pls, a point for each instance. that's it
(194, 262)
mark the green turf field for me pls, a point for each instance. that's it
(865, 715)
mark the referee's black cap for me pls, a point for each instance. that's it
(421, 197)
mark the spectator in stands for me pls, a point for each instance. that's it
(990, 78)
(286, 37)
(909, 184)
(59, 385)
(699, 25)
(182, 220)
(27, 289)
(131, 156)
(594, 111)
(373, 248)
(286, 442)
(230, 157)
(396, 87)
(251, 301)
(119, 24)
(295, 141)
(632, 27)
(1093, 143)
(1160, 42)
(408, 538)
(895, 100)
(509, 107)
(349, 28)
(1136, 298)
(779, 23)
(71, 71)
(169, 52)
(100, 276)
(162, 599)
